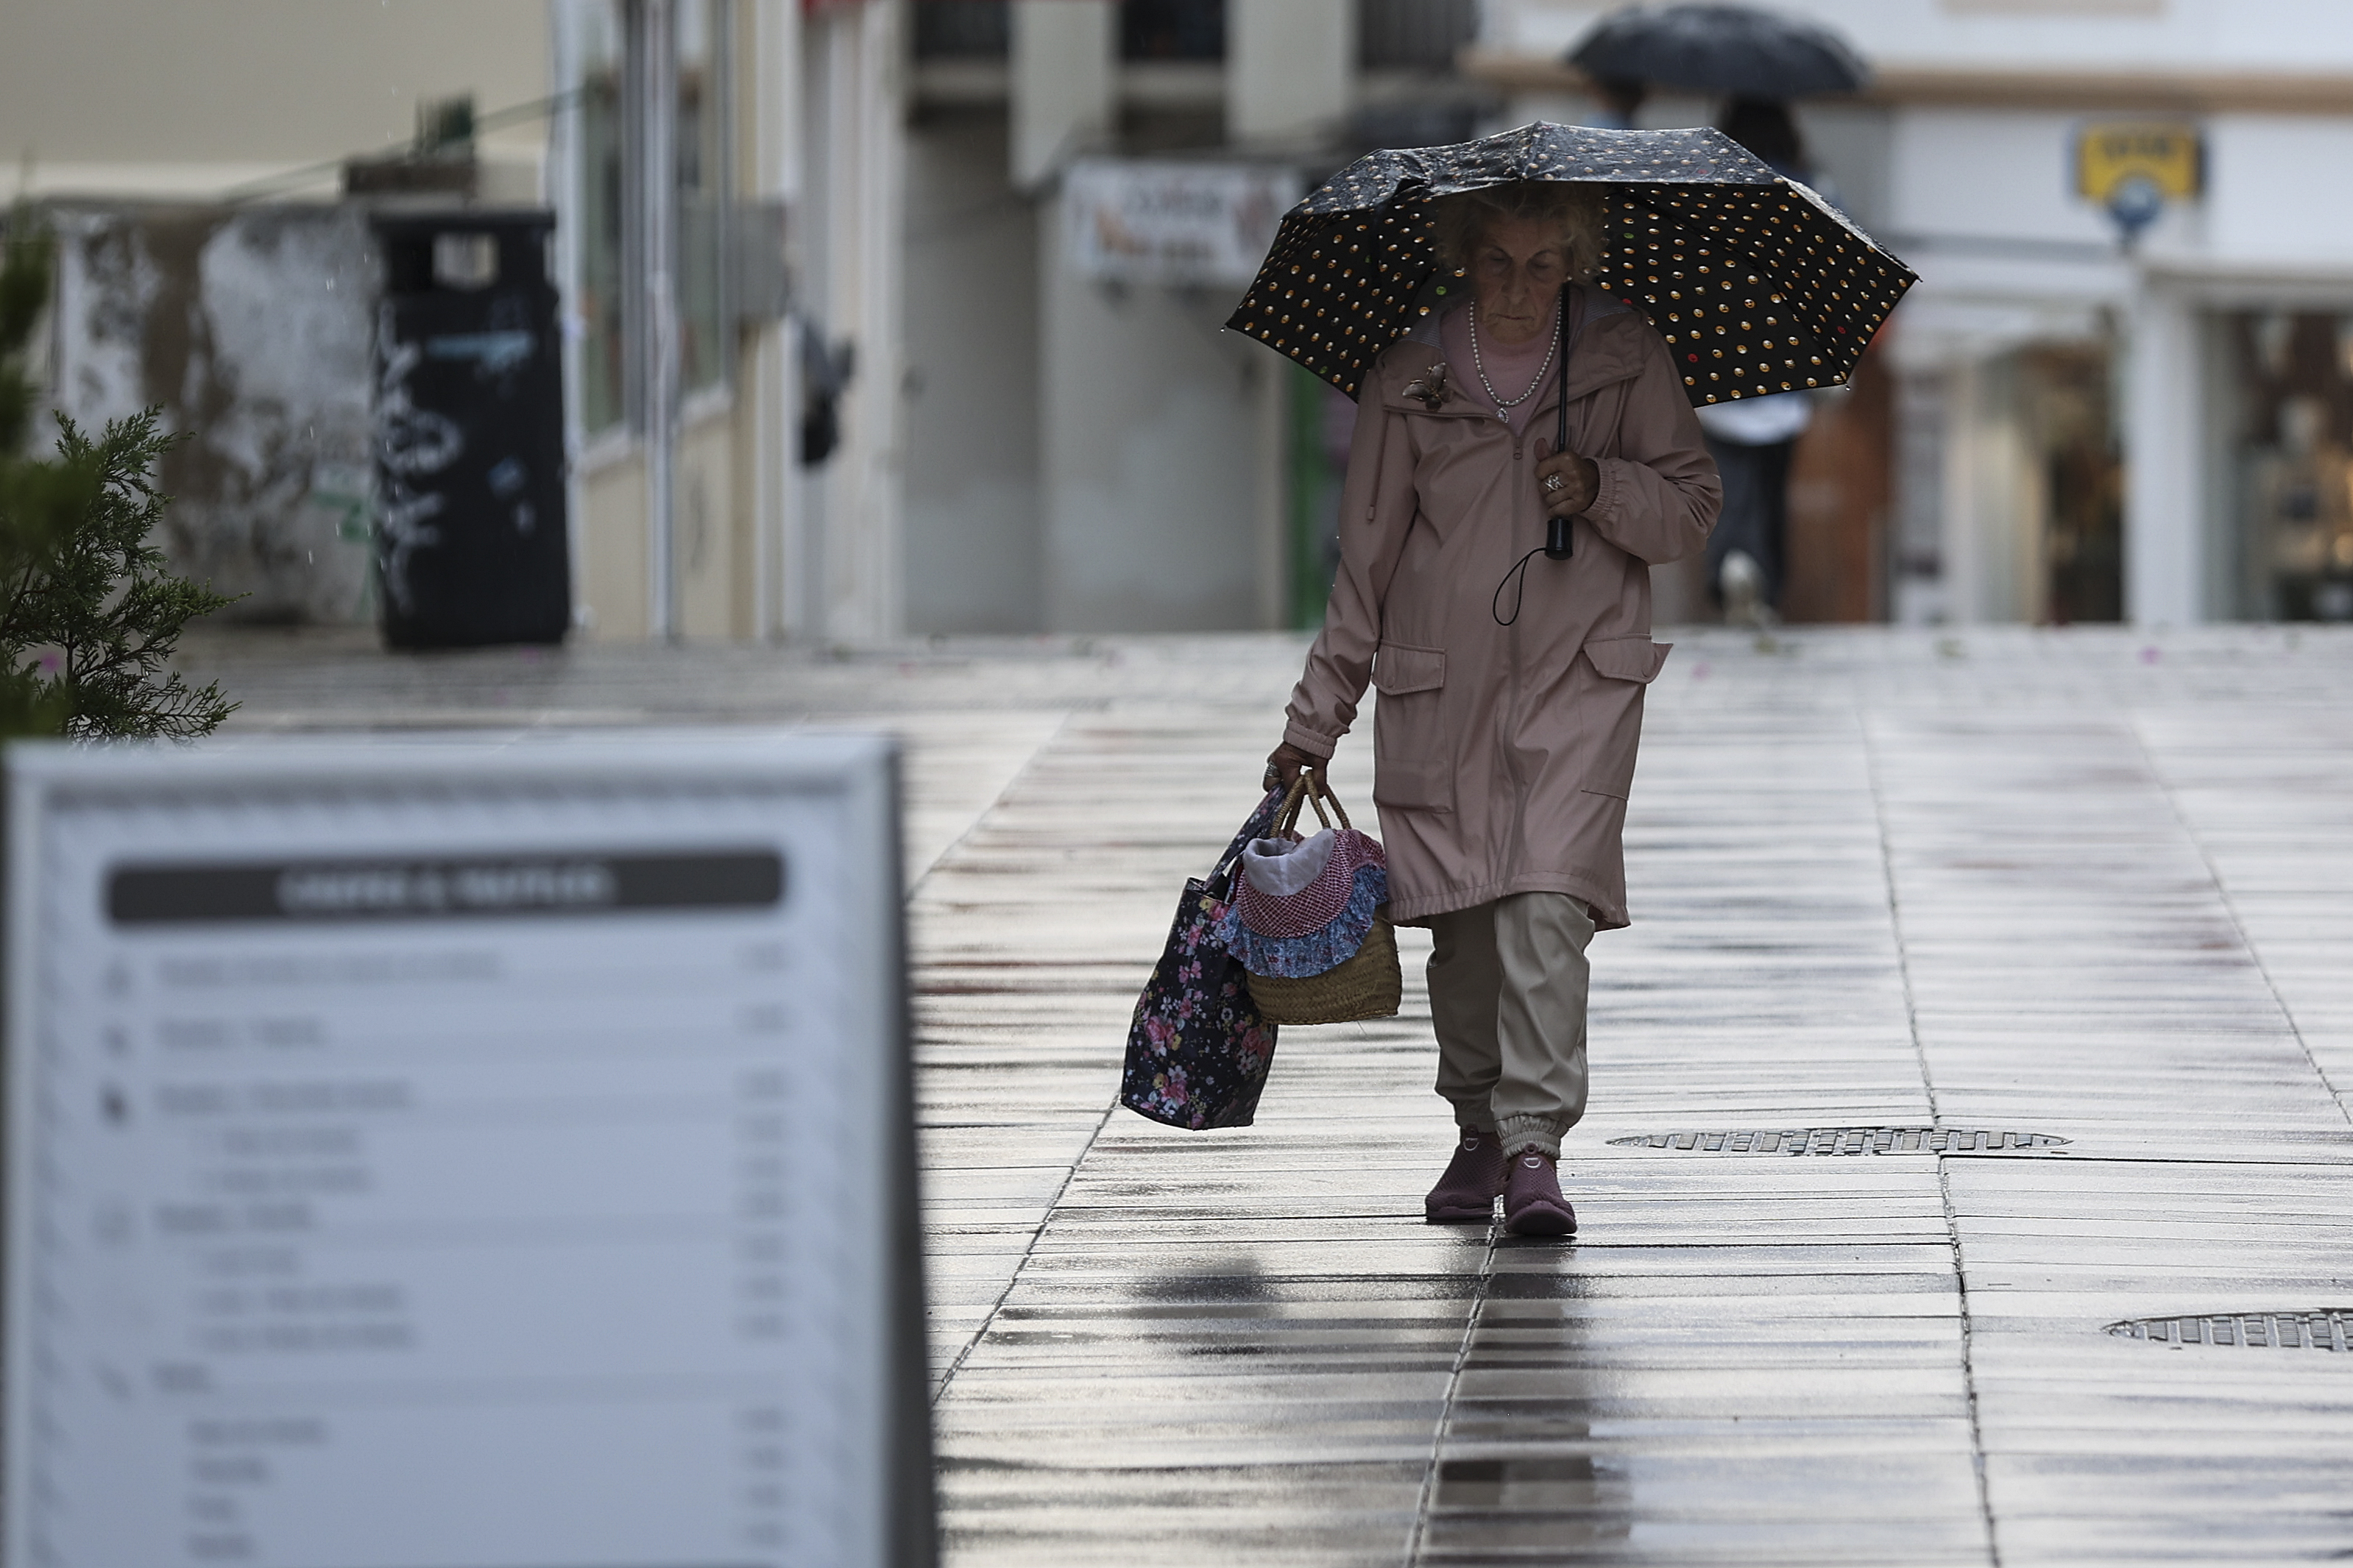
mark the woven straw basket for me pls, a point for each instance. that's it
(1367, 985)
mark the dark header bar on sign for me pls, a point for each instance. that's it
(469, 888)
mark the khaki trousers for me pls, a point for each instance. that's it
(1507, 987)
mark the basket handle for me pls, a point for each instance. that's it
(1312, 788)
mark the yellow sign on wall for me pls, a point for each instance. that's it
(2169, 156)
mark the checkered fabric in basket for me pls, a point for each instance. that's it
(1323, 924)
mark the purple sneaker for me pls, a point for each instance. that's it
(1532, 1202)
(1473, 1180)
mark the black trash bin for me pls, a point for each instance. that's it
(470, 524)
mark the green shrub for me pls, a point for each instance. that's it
(90, 611)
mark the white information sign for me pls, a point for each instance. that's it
(460, 1154)
(1141, 221)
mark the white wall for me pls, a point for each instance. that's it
(1292, 67)
(160, 96)
(1063, 59)
(2278, 188)
(1989, 174)
(1152, 420)
(972, 552)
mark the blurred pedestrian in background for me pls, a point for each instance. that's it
(1505, 746)
(1759, 61)
(1752, 438)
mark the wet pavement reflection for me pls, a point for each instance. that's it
(1518, 1469)
(2027, 890)
(2085, 885)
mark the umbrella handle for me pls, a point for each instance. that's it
(1558, 544)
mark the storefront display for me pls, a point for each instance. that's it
(2294, 376)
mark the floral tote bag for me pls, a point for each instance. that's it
(1198, 1050)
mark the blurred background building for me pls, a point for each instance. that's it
(2058, 428)
(210, 170)
(1091, 186)
(919, 330)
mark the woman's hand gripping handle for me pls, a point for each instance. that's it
(1567, 483)
(1284, 765)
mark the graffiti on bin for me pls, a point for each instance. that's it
(493, 354)
(412, 444)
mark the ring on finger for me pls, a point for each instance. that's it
(1552, 481)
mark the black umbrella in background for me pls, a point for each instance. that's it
(1736, 50)
(1755, 283)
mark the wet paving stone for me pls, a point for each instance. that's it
(2089, 886)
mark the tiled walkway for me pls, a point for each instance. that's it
(2094, 886)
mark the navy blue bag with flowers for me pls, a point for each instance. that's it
(1198, 1051)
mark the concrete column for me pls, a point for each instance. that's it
(772, 36)
(2164, 536)
(1291, 65)
(856, 159)
(871, 605)
(1065, 83)
(650, 237)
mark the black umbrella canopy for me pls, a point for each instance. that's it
(1735, 49)
(1755, 283)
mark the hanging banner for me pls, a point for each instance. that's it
(474, 1154)
(1139, 221)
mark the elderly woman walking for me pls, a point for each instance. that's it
(1505, 737)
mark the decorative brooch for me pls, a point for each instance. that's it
(1431, 388)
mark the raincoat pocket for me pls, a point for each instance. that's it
(1627, 659)
(1412, 768)
(1612, 710)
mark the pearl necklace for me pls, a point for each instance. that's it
(1503, 406)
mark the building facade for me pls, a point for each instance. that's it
(706, 313)
(923, 332)
(2075, 428)
(1087, 449)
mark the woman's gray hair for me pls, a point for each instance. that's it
(1462, 220)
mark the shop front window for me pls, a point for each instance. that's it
(2070, 414)
(2294, 379)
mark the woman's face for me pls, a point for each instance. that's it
(1516, 271)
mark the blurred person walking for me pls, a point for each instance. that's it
(1504, 751)
(1753, 439)
(1758, 60)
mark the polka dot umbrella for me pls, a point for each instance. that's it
(1755, 284)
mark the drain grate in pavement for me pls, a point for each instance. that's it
(2323, 1331)
(1843, 1140)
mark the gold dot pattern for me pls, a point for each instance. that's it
(1756, 285)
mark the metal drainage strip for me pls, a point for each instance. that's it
(1843, 1140)
(2326, 1331)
